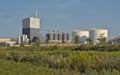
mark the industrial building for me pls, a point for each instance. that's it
(7, 41)
(31, 28)
(115, 40)
(83, 35)
(58, 37)
(22, 39)
(95, 34)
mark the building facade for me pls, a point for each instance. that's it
(31, 28)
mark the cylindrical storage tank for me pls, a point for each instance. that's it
(55, 37)
(19, 39)
(64, 36)
(59, 36)
(68, 36)
(96, 33)
(49, 36)
(83, 35)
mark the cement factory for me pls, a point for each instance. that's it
(31, 31)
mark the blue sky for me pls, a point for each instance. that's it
(62, 15)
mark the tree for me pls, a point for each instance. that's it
(89, 40)
(102, 39)
(22, 44)
(77, 39)
(30, 42)
(47, 41)
(63, 41)
(37, 42)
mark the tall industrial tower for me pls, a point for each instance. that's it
(31, 27)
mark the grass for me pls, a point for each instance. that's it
(33, 61)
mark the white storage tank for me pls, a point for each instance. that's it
(95, 34)
(83, 35)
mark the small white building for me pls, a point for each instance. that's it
(23, 39)
(83, 35)
(7, 41)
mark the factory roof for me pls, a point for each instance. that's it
(79, 30)
(98, 29)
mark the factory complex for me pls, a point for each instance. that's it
(31, 32)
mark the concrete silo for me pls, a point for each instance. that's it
(66, 37)
(96, 33)
(83, 35)
(55, 36)
(60, 36)
(49, 36)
